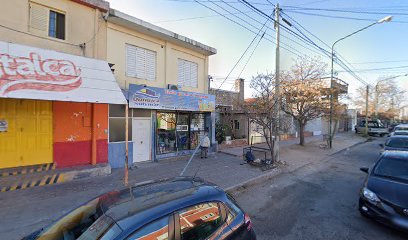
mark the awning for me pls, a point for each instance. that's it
(34, 73)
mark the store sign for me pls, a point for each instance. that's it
(34, 73)
(3, 125)
(141, 96)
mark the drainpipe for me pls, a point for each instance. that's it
(93, 133)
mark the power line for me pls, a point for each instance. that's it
(339, 17)
(351, 11)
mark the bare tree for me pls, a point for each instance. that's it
(302, 89)
(385, 98)
(260, 108)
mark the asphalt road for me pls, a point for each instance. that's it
(318, 201)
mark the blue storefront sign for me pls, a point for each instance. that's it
(141, 96)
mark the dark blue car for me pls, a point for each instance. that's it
(176, 209)
(384, 196)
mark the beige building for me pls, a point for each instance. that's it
(165, 77)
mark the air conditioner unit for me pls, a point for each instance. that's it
(172, 87)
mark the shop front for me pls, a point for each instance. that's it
(174, 121)
(53, 107)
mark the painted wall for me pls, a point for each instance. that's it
(73, 133)
(15, 15)
(117, 154)
(166, 60)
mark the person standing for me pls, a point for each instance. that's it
(204, 145)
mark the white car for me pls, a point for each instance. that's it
(401, 129)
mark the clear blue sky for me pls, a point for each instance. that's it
(381, 46)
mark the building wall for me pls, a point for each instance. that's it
(73, 133)
(72, 122)
(15, 15)
(166, 61)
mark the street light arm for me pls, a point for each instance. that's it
(362, 29)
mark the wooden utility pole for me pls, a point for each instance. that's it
(126, 178)
(366, 111)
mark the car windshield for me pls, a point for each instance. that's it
(85, 222)
(392, 167)
(399, 142)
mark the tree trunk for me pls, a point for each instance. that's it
(301, 133)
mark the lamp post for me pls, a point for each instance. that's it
(383, 20)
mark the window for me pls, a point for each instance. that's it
(166, 132)
(200, 221)
(236, 124)
(44, 21)
(117, 123)
(157, 230)
(140, 63)
(187, 73)
(56, 25)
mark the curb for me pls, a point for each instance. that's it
(53, 177)
(274, 172)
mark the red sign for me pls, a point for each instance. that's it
(34, 73)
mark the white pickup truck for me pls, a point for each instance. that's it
(375, 127)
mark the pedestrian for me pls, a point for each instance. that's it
(204, 145)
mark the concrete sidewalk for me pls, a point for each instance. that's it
(237, 151)
(24, 211)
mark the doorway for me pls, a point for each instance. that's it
(141, 137)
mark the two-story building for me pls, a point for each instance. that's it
(164, 76)
(55, 87)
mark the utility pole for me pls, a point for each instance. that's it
(277, 87)
(366, 113)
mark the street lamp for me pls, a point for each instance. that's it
(383, 20)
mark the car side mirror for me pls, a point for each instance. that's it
(364, 169)
(381, 145)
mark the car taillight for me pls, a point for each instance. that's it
(247, 221)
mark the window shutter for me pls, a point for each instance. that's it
(150, 65)
(38, 17)
(181, 77)
(140, 63)
(131, 61)
(194, 74)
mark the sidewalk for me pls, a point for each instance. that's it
(24, 211)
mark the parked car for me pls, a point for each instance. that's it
(374, 128)
(400, 129)
(384, 195)
(181, 208)
(396, 142)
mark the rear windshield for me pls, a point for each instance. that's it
(401, 129)
(392, 167)
(86, 222)
(399, 142)
(401, 133)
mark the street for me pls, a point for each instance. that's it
(317, 201)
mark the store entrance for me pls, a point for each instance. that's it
(179, 131)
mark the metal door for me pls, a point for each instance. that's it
(141, 137)
(27, 139)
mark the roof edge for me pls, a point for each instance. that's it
(156, 30)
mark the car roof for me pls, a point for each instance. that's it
(398, 136)
(396, 154)
(402, 125)
(146, 202)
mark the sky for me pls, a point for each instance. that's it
(367, 53)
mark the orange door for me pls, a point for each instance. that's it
(28, 139)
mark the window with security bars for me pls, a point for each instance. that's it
(140, 63)
(187, 73)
